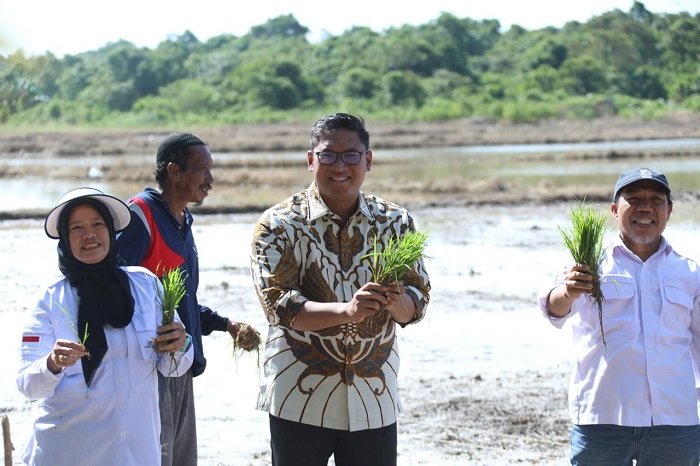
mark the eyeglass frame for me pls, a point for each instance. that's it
(342, 156)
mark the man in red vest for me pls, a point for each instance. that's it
(160, 239)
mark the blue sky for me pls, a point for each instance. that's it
(73, 26)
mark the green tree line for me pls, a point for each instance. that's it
(618, 63)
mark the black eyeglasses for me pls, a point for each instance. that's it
(329, 158)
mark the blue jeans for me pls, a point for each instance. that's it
(610, 445)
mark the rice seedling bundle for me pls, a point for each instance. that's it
(584, 240)
(397, 257)
(74, 326)
(173, 291)
(246, 340)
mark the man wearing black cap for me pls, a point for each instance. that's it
(634, 397)
(160, 239)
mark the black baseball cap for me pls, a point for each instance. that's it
(637, 174)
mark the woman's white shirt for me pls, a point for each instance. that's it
(116, 420)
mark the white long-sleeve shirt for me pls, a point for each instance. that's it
(116, 420)
(648, 373)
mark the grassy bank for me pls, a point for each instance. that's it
(250, 184)
(294, 136)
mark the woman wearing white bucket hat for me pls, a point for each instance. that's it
(93, 344)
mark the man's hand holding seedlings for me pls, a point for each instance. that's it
(171, 337)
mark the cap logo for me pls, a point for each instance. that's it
(645, 173)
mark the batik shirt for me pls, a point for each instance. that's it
(342, 377)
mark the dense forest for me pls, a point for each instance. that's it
(637, 63)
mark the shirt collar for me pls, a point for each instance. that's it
(664, 246)
(318, 208)
(157, 196)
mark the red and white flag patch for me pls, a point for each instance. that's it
(31, 340)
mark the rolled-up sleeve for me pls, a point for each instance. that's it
(417, 285)
(543, 299)
(275, 272)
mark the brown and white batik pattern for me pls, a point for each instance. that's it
(342, 377)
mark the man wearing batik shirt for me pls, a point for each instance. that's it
(331, 356)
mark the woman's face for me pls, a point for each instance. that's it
(88, 235)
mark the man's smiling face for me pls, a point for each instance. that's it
(339, 183)
(642, 211)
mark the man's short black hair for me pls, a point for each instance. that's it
(337, 121)
(174, 148)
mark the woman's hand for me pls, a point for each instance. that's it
(171, 337)
(65, 353)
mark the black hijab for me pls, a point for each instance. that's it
(104, 294)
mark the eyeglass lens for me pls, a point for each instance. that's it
(348, 158)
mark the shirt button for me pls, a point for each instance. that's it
(122, 380)
(122, 434)
(122, 406)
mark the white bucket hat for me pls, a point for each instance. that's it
(121, 215)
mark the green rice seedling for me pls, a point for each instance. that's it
(173, 291)
(584, 240)
(85, 336)
(74, 326)
(398, 256)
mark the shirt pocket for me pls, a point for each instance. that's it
(143, 363)
(676, 311)
(71, 387)
(618, 303)
(144, 322)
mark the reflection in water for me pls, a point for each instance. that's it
(33, 194)
(537, 165)
(526, 166)
(650, 144)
